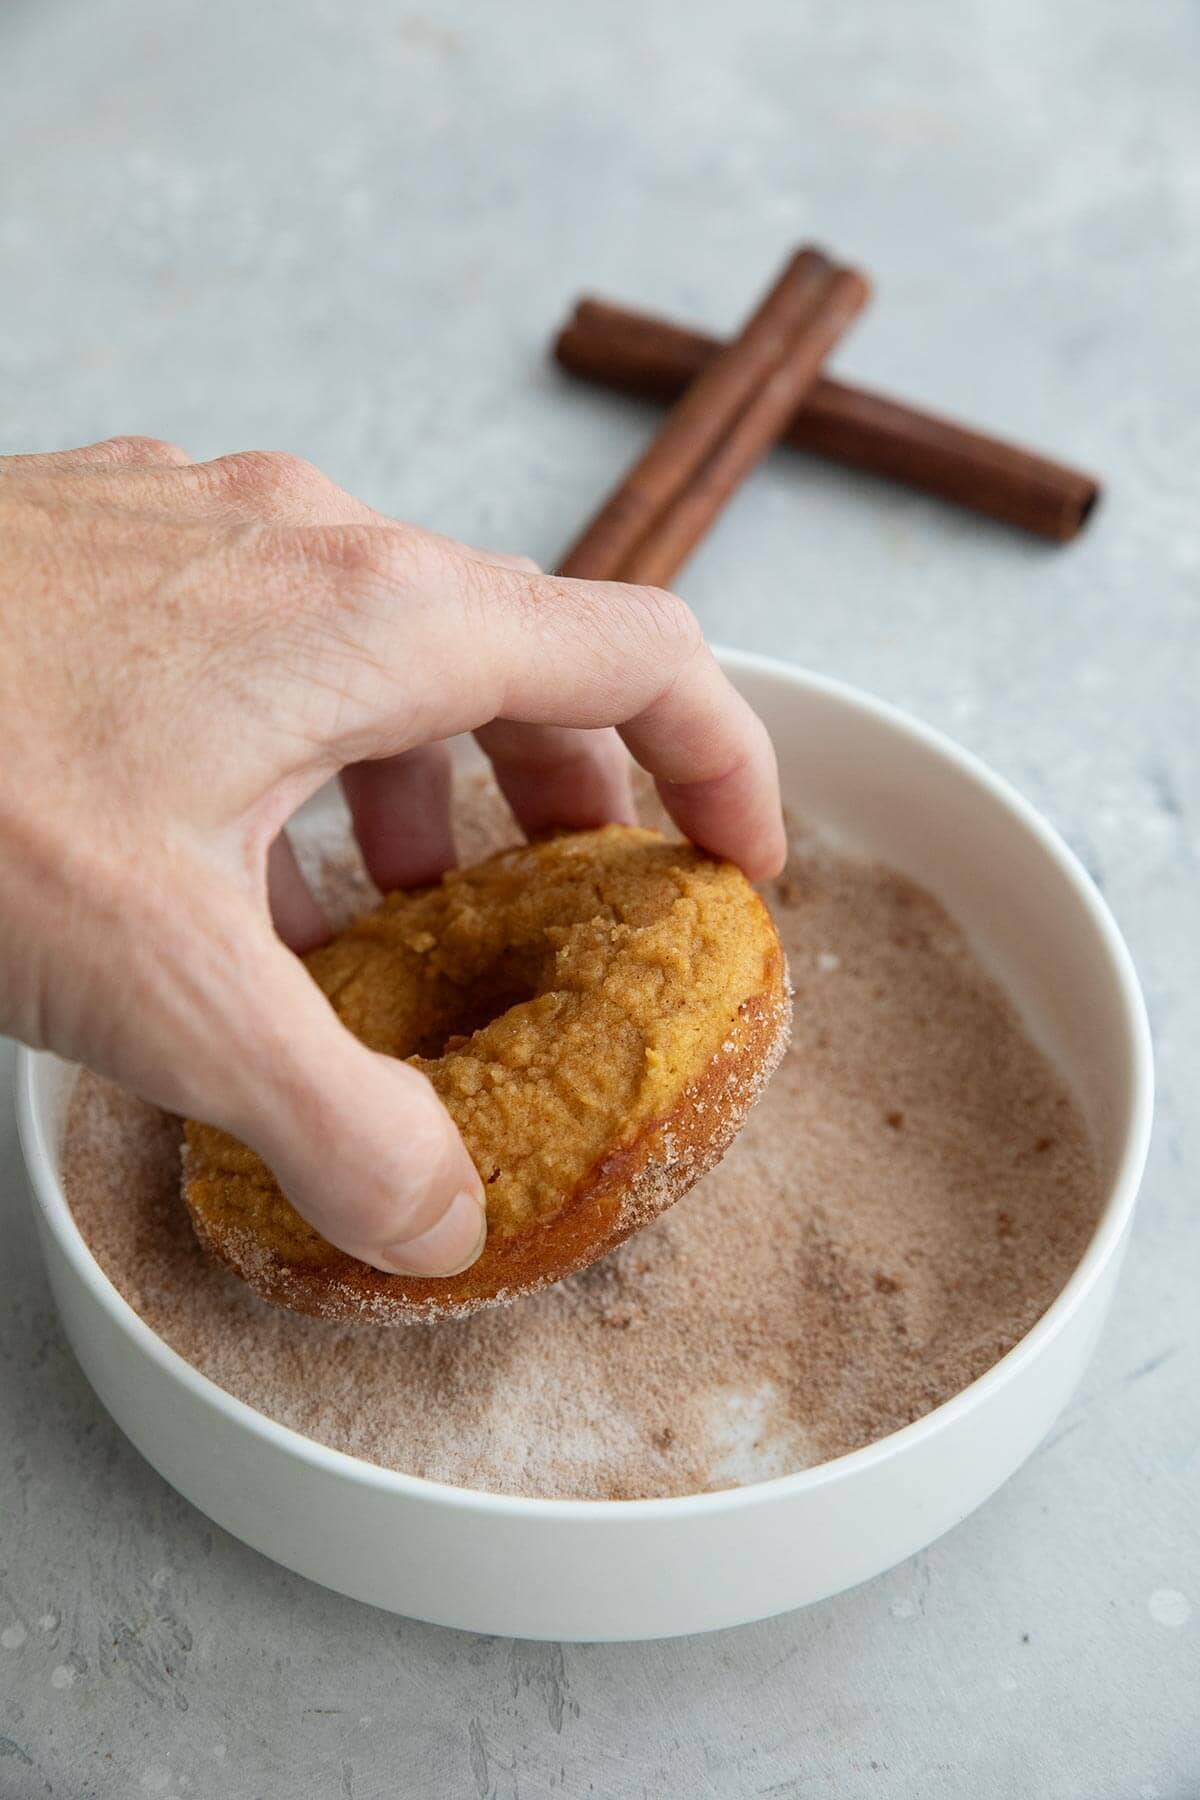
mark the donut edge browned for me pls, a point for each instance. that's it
(624, 1191)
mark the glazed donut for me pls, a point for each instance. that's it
(598, 1012)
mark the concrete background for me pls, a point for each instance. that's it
(348, 231)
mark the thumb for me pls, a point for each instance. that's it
(359, 1142)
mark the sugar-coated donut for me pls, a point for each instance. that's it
(598, 1012)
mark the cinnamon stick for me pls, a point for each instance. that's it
(652, 358)
(724, 423)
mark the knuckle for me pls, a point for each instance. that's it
(668, 622)
(264, 477)
(533, 605)
(650, 627)
(533, 595)
(133, 449)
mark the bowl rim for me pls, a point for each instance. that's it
(1106, 1238)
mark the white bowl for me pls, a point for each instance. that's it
(591, 1570)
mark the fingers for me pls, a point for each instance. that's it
(714, 767)
(588, 653)
(400, 807)
(359, 1142)
(556, 779)
(430, 642)
(553, 778)
(295, 914)
(220, 1022)
(407, 638)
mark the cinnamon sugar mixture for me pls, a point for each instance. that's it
(906, 1200)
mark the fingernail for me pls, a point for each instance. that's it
(448, 1247)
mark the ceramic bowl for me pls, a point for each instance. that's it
(883, 784)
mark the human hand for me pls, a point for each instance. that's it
(187, 652)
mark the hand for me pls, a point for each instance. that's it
(187, 651)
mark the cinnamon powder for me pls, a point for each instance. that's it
(906, 1200)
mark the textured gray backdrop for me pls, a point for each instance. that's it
(348, 231)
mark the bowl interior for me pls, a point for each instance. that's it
(883, 786)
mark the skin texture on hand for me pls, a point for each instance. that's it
(187, 652)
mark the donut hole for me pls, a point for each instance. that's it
(476, 1010)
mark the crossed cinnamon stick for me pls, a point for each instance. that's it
(735, 400)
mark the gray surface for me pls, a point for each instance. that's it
(348, 231)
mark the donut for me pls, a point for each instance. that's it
(598, 1011)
